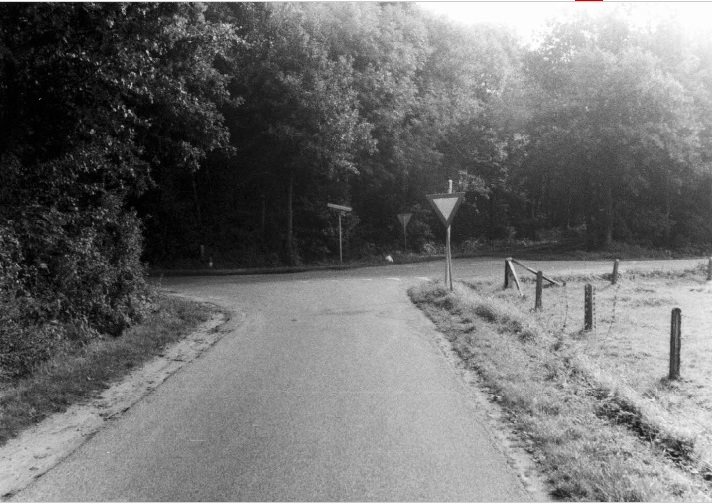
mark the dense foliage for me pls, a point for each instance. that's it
(223, 130)
(93, 98)
(599, 131)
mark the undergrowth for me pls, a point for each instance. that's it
(78, 372)
(591, 440)
(67, 277)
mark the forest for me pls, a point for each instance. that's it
(599, 132)
(137, 134)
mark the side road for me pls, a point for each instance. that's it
(331, 390)
(546, 253)
(544, 249)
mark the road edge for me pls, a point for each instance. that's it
(41, 447)
(496, 422)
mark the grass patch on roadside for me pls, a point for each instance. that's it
(589, 438)
(79, 373)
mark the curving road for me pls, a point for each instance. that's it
(333, 388)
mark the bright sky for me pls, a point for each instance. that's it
(526, 16)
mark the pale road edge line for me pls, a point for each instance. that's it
(41, 447)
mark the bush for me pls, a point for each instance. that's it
(66, 277)
(22, 348)
(9, 262)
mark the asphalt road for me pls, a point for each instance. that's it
(331, 389)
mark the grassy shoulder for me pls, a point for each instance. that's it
(587, 414)
(77, 373)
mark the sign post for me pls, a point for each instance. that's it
(446, 206)
(342, 211)
(404, 218)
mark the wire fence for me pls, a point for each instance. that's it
(624, 312)
(635, 310)
(564, 306)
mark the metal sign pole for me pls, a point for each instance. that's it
(404, 218)
(448, 275)
(446, 205)
(341, 209)
(448, 271)
(341, 255)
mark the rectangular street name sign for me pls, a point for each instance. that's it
(339, 207)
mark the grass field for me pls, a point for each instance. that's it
(596, 407)
(630, 346)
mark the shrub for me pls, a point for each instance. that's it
(65, 277)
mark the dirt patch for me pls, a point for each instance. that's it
(41, 447)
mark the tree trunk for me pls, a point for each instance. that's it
(263, 216)
(492, 212)
(609, 218)
(201, 231)
(289, 252)
(590, 239)
(10, 112)
(667, 234)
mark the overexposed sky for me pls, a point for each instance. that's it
(526, 16)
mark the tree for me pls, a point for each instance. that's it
(95, 100)
(300, 122)
(610, 124)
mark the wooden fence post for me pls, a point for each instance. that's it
(675, 340)
(589, 308)
(539, 281)
(614, 277)
(709, 269)
(506, 272)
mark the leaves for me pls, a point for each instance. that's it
(95, 99)
(611, 122)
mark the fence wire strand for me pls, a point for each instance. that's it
(695, 328)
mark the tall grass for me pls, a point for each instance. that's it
(572, 421)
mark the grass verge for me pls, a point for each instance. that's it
(78, 373)
(590, 442)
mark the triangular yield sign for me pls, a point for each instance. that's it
(446, 205)
(404, 218)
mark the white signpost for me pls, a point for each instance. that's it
(404, 218)
(342, 211)
(446, 206)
